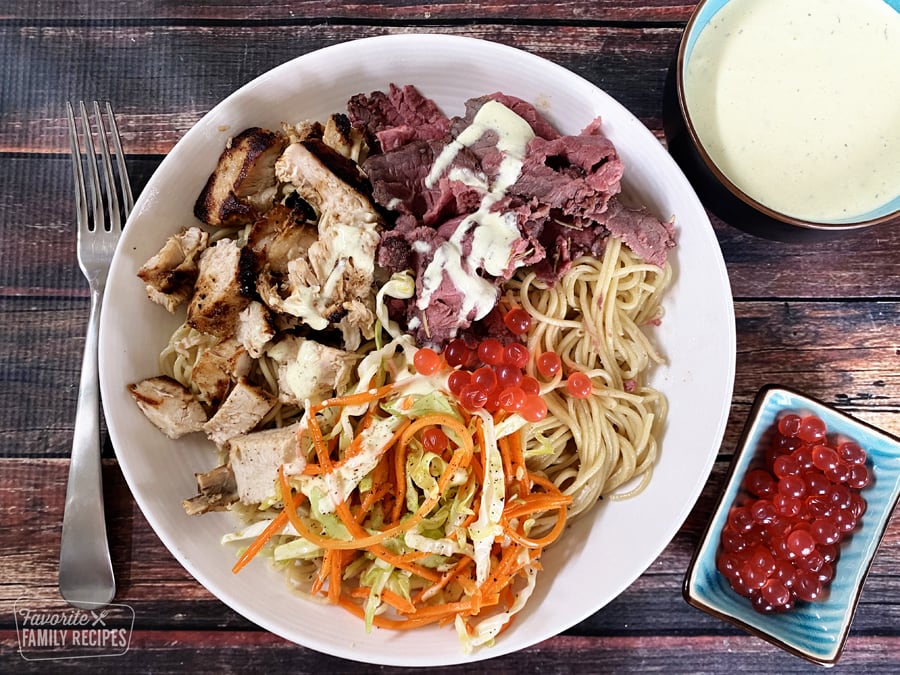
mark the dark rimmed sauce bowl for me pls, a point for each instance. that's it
(718, 192)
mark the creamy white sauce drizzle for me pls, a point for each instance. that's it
(492, 233)
(798, 103)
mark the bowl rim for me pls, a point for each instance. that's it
(734, 189)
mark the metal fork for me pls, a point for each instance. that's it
(85, 570)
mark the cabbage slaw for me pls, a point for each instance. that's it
(402, 533)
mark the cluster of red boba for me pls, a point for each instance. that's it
(492, 376)
(782, 537)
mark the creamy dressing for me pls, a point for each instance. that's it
(492, 233)
(336, 486)
(798, 103)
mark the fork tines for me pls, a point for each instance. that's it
(105, 199)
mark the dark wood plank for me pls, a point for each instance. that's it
(225, 651)
(361, 12)
(841, 353)
(33, 491)
(860, 264)
(39, 252)
(161, 79)
(37, 223)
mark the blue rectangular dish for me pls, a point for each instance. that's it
(817, 630)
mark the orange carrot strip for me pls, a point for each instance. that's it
(352, 399)
(388, 596)
(384, 622)
(271, 530)
(535, 503)
(461, 458)
(315, 433)
(399, 479)
(545, 483)
(403, 563)
(502, 575)
(352, 450)
(517, 461)
(295, 520)
(334, 576)
(503, 446)
(257, 544)
(373, 496)
(541, 542)
(445, 579)
(324, 571)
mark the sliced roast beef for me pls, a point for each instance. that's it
(645, 234)
(399, 182)
(397, 117)
(563, 203)
(572, 175)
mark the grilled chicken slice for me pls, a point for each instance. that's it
(342, 136)
(339, 267)
(217, 368)
(280, 236)
(255, 328)
(244, 408)
(218, 293)
(310, 371)
(169, 405)
(243, 184)
(217, 491)
(303, 131)
(255, 458)
(170, 274)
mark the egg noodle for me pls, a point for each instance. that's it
(594, 318)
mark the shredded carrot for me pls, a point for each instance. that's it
(503, 446)
(517, 459)
(542, 542)
(535, 503)
(445, 579)
(334, 577)
(273, 528)
(461, 458)
(399, 479)
(372, 497)
(395, 600)
(447, 595)
(324, 571)
(352, 399)
(384, 622)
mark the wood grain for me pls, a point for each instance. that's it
(359, 12)
(217, 651)
(822, 317)
(196, 67)
(33, 492)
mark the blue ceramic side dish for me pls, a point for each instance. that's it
(817, 630)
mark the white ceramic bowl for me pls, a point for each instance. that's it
(601, 555)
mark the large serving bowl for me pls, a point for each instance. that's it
(600, 555)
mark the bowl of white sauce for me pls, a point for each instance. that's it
(791, 112)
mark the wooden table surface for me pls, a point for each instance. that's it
(822, 317)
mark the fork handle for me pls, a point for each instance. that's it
(85, 570)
